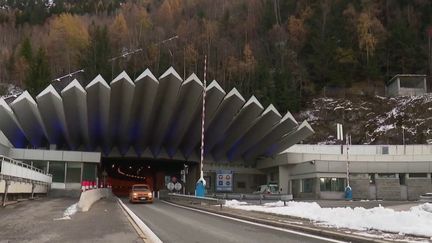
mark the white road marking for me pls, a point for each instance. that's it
(144, 228)
(256, 224)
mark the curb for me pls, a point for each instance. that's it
(310, 230)
(143, 230)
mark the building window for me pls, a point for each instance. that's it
(73, 173)
(241, 185)
(306, 185)
(401, 179)
(385, 150)
(27, 162)
(41, 165)
(387, 175)
(89, 172)
(332, 184)
(372, 179)
(272, 176)
(418, 175)
(57, 169)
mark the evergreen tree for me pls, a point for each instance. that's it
(39, 74)
(26, 50)
(95, 58)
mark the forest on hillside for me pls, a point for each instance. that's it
(284, 52)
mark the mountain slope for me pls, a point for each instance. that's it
(371, 120)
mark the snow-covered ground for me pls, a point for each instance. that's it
(370, 119)
(71, 210)
(416, 221)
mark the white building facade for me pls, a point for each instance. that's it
(388, 172)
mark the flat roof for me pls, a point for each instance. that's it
(405, 75)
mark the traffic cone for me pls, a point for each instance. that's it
(82, 186)
(94, 185)
(86, 184)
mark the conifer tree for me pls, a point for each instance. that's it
(39, 74)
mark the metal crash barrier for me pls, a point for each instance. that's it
(244, 196)
(259, 197)
(188, 199)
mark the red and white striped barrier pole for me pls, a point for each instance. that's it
(203, 119)
(200, 188)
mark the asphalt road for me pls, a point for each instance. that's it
(40, 221)
(174, 224)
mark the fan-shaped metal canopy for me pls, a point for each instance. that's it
(149, 117)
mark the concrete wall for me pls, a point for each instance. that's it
(284, 180)
(331, 195)
(393, 88)
(385, 188)
(388, 188)
(55, 155)
(22, 187)
(360, 188)
(296, 190)
(411, 91)
(250, 182)
(4, 145)
(359, 149)
(417, 187)
(88, 198)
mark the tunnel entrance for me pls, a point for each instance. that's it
(122, 173)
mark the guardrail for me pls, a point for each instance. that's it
(17, 169)
(195, 200)
(245, 196)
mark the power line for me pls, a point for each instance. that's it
(67, 75)
(124, 55)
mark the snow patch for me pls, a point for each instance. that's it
(384, 128)
(71, 210)
(415, 221)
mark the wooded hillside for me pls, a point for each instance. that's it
(284, 52)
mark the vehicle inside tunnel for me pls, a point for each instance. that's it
(123, 173)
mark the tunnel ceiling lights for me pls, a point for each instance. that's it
(150, 118)
(129, 175)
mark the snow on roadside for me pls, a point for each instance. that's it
(71, 210)
(416, 221)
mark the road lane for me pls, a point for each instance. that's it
(174, 224)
